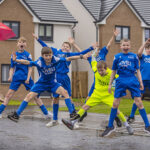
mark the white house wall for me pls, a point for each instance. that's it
(85, 34)
(61, 34)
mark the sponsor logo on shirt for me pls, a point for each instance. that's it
(48, 71)
(125, 63)
(147, 60)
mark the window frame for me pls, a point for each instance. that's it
(11, 22)
(119, 26)
(145, 33)
(46, 38)
(2, 73)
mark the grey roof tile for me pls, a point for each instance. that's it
(50, 10)
(99, 8)
(142, 8)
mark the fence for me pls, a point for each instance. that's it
(79, 84)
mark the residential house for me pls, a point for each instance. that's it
(97, 20)
(49, 19)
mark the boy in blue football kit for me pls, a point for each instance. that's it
(145, 72)
(100, 54)
(62, 70)
(21, 74)
(46, 65)
(125, 64)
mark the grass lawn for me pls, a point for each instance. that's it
(125, 106)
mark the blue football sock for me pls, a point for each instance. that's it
(112, 117)
(44, 110)
(144, 117)
(134, 108)
(55, 111)
(73, 106)
(69, 105)
(2, 107)
(21, 107)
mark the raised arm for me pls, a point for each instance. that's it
(29, 75)
(74, 57)
(39, 40)
(11, 72)
(116, 32)
(111, 80)
(22, 61)
(141, 49)
(72, 42)
(83, 52)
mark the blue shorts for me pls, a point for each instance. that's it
(64, 80)
(146, 84)
(16, 84)
(92, 89)
(39, 87)
(124, 83)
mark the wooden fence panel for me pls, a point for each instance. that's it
(79, 84)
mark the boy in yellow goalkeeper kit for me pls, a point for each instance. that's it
(99, 95)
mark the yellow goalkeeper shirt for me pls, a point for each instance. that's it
(101, 82)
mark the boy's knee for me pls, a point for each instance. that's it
(55, 100)
(66, 95)
(116, 103)
(139, 103)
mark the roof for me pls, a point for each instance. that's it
(99, 9)
(142, 8)
(50, 10)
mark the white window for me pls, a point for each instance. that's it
(147, 33)
(5, 73)
(46, 32)
(124, 33)
(15, 26)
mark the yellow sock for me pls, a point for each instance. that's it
(81, 112)
(122, 117)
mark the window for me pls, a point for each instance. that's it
(5, 73)
(46, 32)
(124, 33)
(15, 26)
(147, 34)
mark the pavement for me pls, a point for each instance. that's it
(30, 133)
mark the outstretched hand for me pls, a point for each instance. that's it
(95, 45)
(14, 56)
(71, 40)
(116, 32)
(148, 41)
(34, 36)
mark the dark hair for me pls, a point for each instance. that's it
(67, 43)
(46, 50)
(147, 46)
(101, 64)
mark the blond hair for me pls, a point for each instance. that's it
(22, 39)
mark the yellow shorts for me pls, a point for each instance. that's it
(100, 97)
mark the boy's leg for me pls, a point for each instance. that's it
(60, 90)
(131, 117)
(15, 116)
(142, 112)
(70, 123)
(112, 117)
(39, 102)
(7, 98)
(54, 122)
